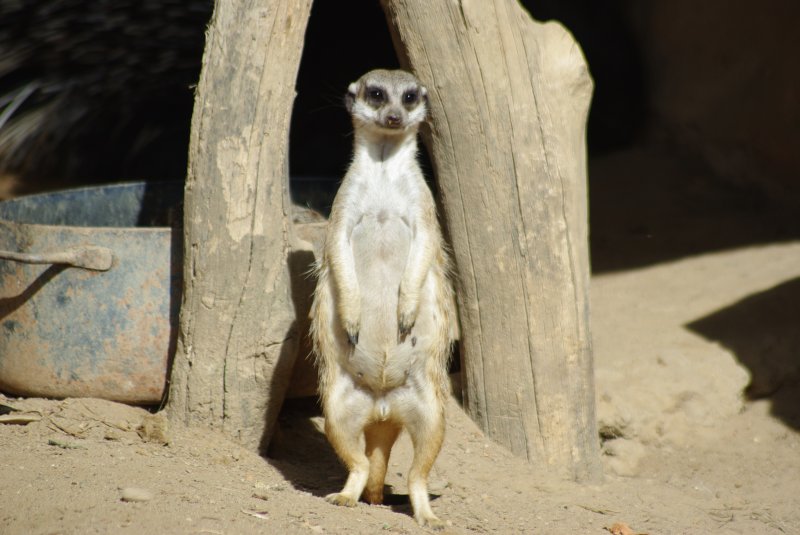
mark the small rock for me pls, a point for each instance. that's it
(154, 428)
(135, 494)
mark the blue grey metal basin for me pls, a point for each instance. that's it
(89, 291)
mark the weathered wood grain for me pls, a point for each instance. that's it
(238, 338)
(509, 99)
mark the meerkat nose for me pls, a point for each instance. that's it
(393, 120)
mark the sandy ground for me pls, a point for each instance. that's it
(697, 350)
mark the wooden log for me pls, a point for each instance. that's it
(238, 338)
(509, 99)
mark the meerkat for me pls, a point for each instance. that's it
(383, 316)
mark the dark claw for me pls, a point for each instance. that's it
(353, 337)
(403, 332)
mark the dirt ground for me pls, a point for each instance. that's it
(697, 354)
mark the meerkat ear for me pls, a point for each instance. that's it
(350, 97)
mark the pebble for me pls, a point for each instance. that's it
(134, 494)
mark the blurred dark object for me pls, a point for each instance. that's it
(97, 91)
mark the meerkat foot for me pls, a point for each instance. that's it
(338, 498)
(373, 498)
(433, 522)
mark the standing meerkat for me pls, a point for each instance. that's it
(384, 317)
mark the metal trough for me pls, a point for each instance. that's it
(90, 291)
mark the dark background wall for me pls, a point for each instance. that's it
(724, 84)
(95, 92)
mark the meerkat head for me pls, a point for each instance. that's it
(391, 102)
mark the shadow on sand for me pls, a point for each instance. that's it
(763, 332)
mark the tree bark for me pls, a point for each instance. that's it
(509, 99)
(238, 339)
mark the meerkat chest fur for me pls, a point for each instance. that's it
(385, 206)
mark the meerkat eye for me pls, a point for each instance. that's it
(376, 94)
(410, 97)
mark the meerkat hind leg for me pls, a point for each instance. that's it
(427, 435)
(380, 437)
(344, 433)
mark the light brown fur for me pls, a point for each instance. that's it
(383, 317)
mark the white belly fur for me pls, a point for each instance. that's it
(380, 244)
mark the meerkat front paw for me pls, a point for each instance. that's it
(352, 338)
(407, 307)
(351, 321)
(404, 326)
(352, 329)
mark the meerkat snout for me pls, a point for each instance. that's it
(394, 120)
(387, 100)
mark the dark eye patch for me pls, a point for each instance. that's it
(410, 97)
(376, 95)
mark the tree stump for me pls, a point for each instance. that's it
(509, 99)
(238, 339)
